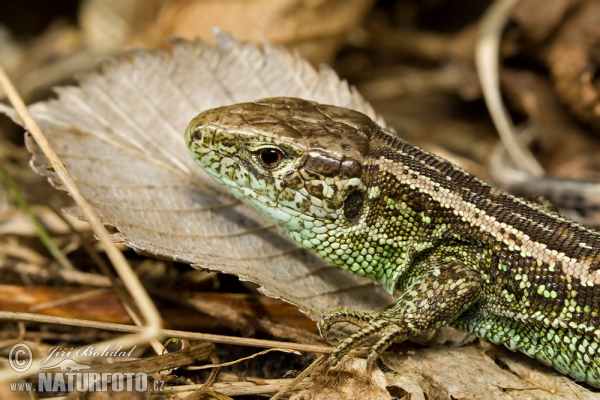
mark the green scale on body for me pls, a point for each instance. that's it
(460, 251)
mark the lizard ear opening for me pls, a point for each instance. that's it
(353, 205)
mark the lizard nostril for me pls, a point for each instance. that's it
(197, 134)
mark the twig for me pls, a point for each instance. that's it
(315, 364)
(116, 283)
(75, 276)
(264, 386)
(487, 60)
(239, 360)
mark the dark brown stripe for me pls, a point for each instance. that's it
(559, 234)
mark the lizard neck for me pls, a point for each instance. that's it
(384, 226)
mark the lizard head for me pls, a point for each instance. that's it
(298, 163)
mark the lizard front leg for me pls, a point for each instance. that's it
(432, 299)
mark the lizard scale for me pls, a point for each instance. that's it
(462, 252)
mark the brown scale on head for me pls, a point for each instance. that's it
(293, 145)
(336, 140)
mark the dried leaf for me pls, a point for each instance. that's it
(348, 381)
(120, 134)
(537, 23)
(315, 28)
(468, 373)
(573, 62)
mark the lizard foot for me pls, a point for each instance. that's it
(372, 325)
(434, 299)
(357, 318)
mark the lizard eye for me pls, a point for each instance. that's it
(270, 157)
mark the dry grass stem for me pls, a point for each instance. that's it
(242, 388)
(300, 378)
(239, 360)
(129, 278)
(487, 61)
(15, 316)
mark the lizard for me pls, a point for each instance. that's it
(461, 252)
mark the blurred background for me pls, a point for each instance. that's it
(412, 59)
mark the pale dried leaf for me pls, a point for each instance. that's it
(468, 373)
(120, 134)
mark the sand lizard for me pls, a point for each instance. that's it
(462, 252)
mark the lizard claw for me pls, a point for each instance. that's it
(371, 359)
(327, 366)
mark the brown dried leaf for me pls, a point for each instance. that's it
(574, 63)
(120, 134)
(315, 28)
(537, 23)
(568, 151)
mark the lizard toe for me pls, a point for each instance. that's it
(366, 333)
(357, 318)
